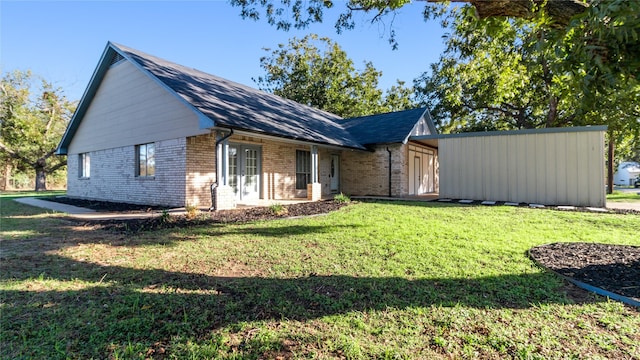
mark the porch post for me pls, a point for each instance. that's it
(225, 162)
(314, 189)
(314, 164)
(223, 197)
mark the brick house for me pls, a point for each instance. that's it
(151, 131)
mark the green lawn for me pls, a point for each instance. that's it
(620, 196)
(373, 280)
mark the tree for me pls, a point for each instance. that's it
(496, 74)
(32, 122)
(317, 72)
(510, 73)
(301, 13)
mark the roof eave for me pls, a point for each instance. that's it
(241, 131)
(85, 100)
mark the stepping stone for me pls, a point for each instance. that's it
(488, 203)
(594, 209)
(566, 207)
(512, 204)
(538, 206)
(466, 201)
(445, 200)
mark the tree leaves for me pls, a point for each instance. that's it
(32, 123)
(315, 71)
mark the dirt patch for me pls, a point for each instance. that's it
(202, 218)
(615, 268)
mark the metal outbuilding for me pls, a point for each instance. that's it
(553, 166)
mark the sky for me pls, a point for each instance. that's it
(62, 41)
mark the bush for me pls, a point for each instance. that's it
(191, 212)
(341, 198)
(278, 209)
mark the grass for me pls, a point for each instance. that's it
(624, 196)
(373, 280)
(6, 195)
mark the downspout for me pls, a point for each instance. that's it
(215, 184)
(389, 151)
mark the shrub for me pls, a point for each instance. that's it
(278, 209)
(341, 198)
(191, 212)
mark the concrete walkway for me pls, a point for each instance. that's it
(623, 205)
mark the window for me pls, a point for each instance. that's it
(303, 169)
(84, 165)
(145, 160)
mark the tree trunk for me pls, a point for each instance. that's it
(612, 146)
(41, 179)
(6, 177)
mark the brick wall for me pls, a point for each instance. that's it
(368, 173)
(200, 169)
(113, 176)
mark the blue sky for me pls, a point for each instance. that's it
(63, 41)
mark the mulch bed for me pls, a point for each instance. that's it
(131, 226)
(615, 268)
(105, 206)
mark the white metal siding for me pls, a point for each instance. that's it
(561, 168)
(130, 108)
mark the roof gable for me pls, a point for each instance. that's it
(232, 105)
(222, 103)
(393, 127)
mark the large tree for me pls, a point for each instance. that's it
(503, 73)
(496, 74)
(315, 71)
(33, 118)
(299, 14)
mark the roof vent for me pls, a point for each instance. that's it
(116, 59)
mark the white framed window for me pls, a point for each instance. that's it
(303, 169)
(145, 160)
(84, 165)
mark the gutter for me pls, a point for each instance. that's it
(389, 151)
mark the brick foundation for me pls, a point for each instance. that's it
(314, 191)
(224, 198)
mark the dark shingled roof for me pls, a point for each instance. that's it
(240, 107)
(222, 103)
(387, 128)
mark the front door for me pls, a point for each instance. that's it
(244, 171)
(417, 181)
(334, 173)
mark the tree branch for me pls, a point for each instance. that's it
(560, 10)
(57, 166)
(16, 155)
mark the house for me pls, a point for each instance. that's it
(627, 172)
(154, 132)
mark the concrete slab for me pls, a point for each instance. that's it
(566, 208)
(488, 203)
(539, 206)
(512, 203)
(465, 201)
(445, 200)
(595, 209)
(624, 205)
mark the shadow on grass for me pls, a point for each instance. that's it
(133, 305)
(122, 305)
